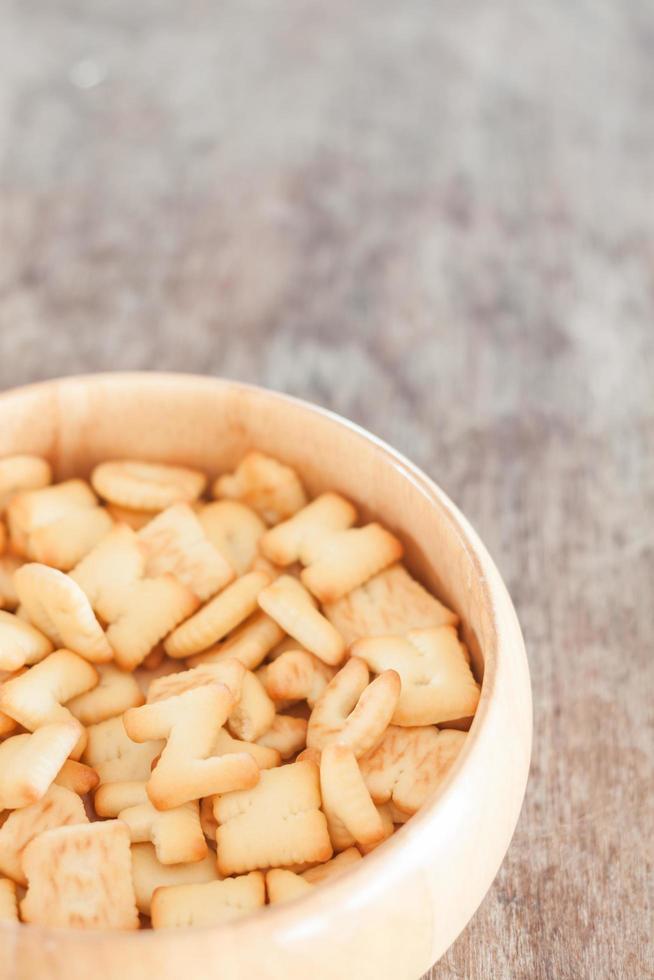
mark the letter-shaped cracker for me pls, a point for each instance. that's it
(297, 675)
(186, 770)
(220, 615)
(228, 672)
(80, 876)
(176, 544)
(116, 692)
(176, 834)
(437, 683)
(115, 757)
(352, 711)
(388, 604)
(22, 473)
(276, 824)
(33, 509)
(65, 542)
(409, 763)
(20, 643)
(234, 530)
(8, 902)
(288, 735)
(146, 486)
(346, 800)
(249, 643)
(57, 808)
(346, 559)
(37, 696)
(29, 763)
(56, 605)
(57, 525)
(148, 874)
(207, 904)
(156, 606)
(285, 543)
(110, 572)
(140, 611)
(266, 485)
(290, 605)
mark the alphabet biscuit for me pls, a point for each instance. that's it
(139, 485)
(190, 723)
(207, 904)
(218, 617)
(409, 763)
(273, 490)
(347, 559)
(437, 683)
(234, 530)
(351, 710)
(176, 544)
(56, 605)
(292, 607)
(388, 604)
(290, 541)
(20, 643)
(277, 823)
(29, 763)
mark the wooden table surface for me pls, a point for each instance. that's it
(436, 218)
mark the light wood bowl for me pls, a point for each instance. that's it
(397, 911)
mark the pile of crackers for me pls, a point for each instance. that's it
(208, 701)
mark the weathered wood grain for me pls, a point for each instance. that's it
(438, 219)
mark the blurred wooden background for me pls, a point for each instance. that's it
(438, 219)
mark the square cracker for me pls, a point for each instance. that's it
(275, 824)
(81, 876)
(388, 604)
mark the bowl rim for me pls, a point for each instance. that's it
(389, 852)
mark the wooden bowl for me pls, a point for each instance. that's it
(398, 910)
